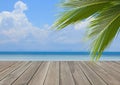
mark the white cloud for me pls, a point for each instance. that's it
(16, 29)
(20, 7)
(69, 35)
(15, 26)
(83, 24)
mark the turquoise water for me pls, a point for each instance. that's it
(16, 57)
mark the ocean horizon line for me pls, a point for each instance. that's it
(52, 53)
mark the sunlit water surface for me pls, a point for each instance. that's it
(55, 58)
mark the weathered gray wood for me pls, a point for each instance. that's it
(9, 79)
(109, 70)
(27, 75)
(78, 75)
(7, 71)
(52, 77)
(108, 78)
(60, 73)
(113, 65)
(92, 76)
(5, 65)
(65, 74)
(39, 77)
(118, 62)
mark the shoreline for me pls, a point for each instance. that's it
(55, 58)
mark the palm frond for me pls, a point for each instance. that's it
(83, 3)
(102, 30)
(77, 14)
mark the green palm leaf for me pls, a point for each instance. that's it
(82, 3)
(77, 14)
(102, 29)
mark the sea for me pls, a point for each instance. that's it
(56, 56)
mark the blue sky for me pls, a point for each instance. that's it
(25, 26)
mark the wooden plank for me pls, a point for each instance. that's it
(65, 75)
(5, 65)
(39, 77)
(118, 62)
(9, 79)
(7, 71)
(91, 75)
(52, 77)
(7, 62)
(78, 75)
(27, 75)
(109, 79)
(114, 66)
(108, 69)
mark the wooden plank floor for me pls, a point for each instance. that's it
(59, 73)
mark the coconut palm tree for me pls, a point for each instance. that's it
(103, 28)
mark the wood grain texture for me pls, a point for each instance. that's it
(91, 75)
(78, 75)
(39, 77)
(27, 75)
(9, 79)
(108, 78)
(52, 77)
(59, 73)
(65, 74)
